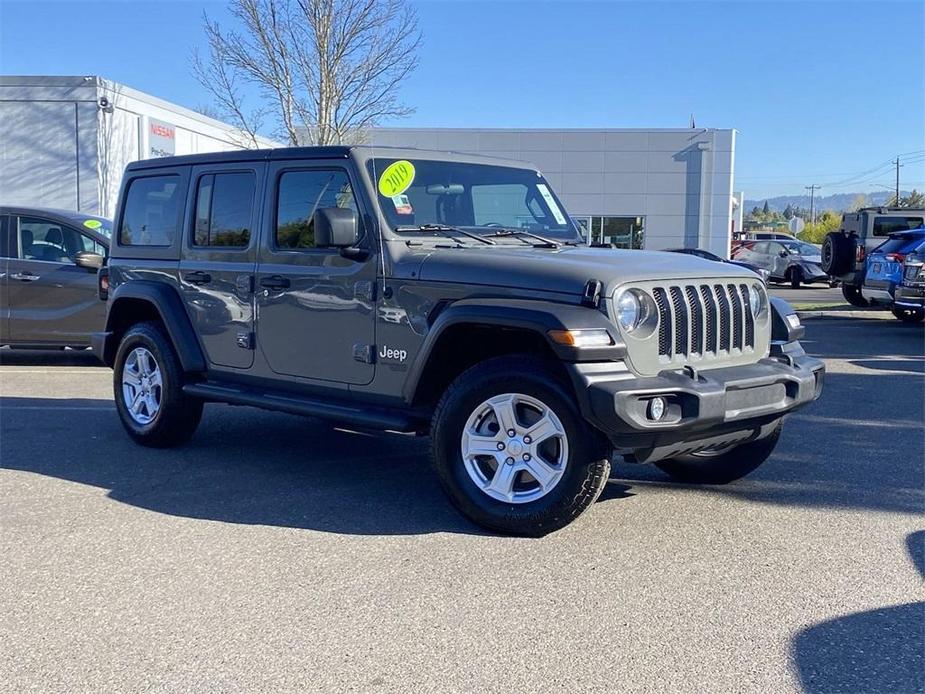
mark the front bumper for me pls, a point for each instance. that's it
(910, 297)
(705, 409)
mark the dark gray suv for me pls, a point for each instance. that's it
(48, 288)
(442, 294)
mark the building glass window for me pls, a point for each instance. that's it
(615, 232)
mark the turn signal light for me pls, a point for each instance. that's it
(581, 338)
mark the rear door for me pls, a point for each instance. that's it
(219, 259)
(51, 300)
(315, 308)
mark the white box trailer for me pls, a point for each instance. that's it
(64, 141)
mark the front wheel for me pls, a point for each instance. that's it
(723, 466)
(908, 315)
(796, 277)
(511, 450)
(148, 389)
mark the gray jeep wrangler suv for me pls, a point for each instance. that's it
(440, 293)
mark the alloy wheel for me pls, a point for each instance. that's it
(142, 386)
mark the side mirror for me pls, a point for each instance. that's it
(88, 260)
(336, 227)
(783, 254)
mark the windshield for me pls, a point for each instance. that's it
(797, 248)
(478, 198)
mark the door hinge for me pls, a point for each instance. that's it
(245, 340)
(364, 353)
(365, 290)
(244, 284)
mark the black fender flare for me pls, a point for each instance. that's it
(525, 314)
(169, 306)
(782, 330)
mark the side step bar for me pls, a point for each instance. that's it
(361, 417)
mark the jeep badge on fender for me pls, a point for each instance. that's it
(525, 386)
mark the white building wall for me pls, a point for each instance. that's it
(680, 181)
(60, 148)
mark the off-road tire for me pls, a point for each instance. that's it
(586, 471)
(724, 467)
(908, 315)
(795, 277)
(179, 414)
(853, 296)
(838, 253)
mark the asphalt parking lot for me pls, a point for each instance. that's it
(276, 554)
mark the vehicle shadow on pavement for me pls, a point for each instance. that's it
(48, 357)
(881, 650)
(242, 466)
(859, 446)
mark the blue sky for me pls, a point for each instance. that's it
(820, 92)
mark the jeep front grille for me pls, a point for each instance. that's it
(706, 320)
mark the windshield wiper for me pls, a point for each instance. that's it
(517, 233)
(445, 230)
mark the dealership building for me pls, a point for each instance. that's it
(633, 188)
(64, 142)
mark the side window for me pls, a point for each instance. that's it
(300, 194)
(52, 242)
(224, 206)
(760, 247)
(884, 226)
(152, 210)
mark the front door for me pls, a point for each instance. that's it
(51, 299)
(315, 308)
(219, 259)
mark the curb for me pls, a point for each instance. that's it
(869, 315)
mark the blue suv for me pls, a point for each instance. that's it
(884, 270)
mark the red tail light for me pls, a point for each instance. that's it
(861, 254)
(895, 257)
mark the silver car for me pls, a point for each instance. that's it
(48, 286)
(796, 262)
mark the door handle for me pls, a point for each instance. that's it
(274, 282)
(198, 277)
(24, 276)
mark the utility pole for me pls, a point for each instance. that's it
(812, 201)
(897, 180)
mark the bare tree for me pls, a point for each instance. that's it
(322, 70)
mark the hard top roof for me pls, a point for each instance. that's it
(362, 152)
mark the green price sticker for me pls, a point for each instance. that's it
(396, 178)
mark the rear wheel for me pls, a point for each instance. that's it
(721, 466)
(909, 315)
(148, 389)
(795, 277)
(853, 296)
(512, 451)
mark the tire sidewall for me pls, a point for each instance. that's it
(535, 517)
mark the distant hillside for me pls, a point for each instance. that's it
(840, 202)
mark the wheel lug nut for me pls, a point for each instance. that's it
(511, 432)
(500, 446)
(526, 456)
(509, 461)
(527, 439)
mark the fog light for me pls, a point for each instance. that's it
(657, 408)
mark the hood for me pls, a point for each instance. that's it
(567, 269)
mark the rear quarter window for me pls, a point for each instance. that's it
(151, 215)
(884, 226)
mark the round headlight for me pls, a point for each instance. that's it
(755, 300)
(629, 310)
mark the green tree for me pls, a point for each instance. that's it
(914, 199)
(828, 221)
(788, 212)
(766, 210)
